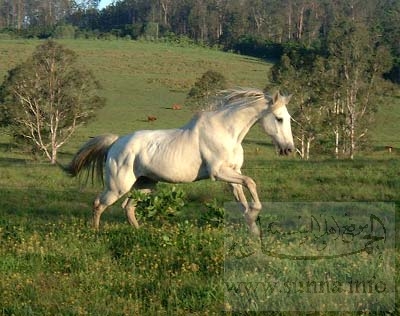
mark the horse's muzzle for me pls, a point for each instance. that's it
(285, 151)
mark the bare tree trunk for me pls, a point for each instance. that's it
(352, 108)
(204, 30)
(301, 23)
(301, 151)
(53, 160)
(165, 7)
(336, 131)
(19, 14)
(308, 148)
(219, 32)
(258, 19)
(290, 22)
(352, 136)
(302, 146)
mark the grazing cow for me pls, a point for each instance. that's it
(389, 148)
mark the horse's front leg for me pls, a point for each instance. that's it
(250, 214)
(238, 180)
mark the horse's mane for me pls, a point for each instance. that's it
(235, 98)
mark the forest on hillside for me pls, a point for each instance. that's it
(256, 27)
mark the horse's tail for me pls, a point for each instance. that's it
(91, 156)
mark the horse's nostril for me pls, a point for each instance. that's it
(286, 151)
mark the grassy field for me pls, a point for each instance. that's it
(53, 263)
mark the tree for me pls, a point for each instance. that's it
(356, 64)
(297, 74)
(335, 87)
(205, 87)
(47, 97)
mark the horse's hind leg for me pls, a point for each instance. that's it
(104, 200)
(144, 185)
(98, 209)
(118, 181)
(130, 206)
(109, 197)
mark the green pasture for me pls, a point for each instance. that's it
(53, 263)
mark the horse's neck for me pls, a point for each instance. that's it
(238, 121)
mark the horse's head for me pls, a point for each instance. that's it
(276, 123)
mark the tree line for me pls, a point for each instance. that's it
(209, 21)
(256, 27)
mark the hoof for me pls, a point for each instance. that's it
(254, 230)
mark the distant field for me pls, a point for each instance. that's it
(52, 263)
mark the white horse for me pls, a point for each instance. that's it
(209, 146)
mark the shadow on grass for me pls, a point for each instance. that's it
(8, 148)
(22, 206)
(40, 205)
(258, 142)
(5, 146)
(12, 161)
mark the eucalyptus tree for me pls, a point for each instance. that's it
(298, 73)
(356, 64)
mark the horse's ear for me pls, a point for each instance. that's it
(289, 97)
(276, 96)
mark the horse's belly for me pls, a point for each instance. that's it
(173, 175)
(181, 177)
(185, 170)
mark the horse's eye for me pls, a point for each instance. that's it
(279, 119)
